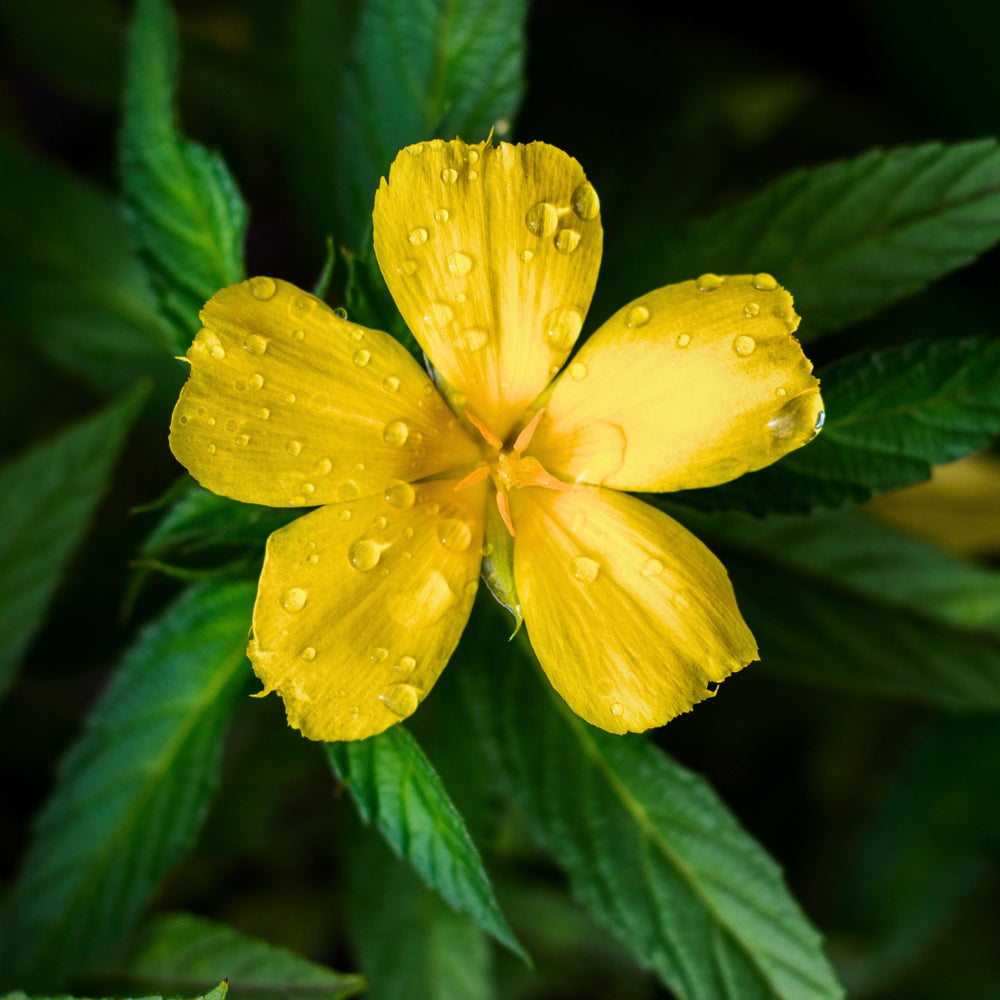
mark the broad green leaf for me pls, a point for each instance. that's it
(409, 943)
(848, 238)
(649, 849)
(932, 844)
(415, 71)
(397, 789)
(187, 215)
(368, 299)
(219, 993)
(47, 499)
(73, 289)
(890, 417)
(838, 599)
(180, 952)
(131, 793)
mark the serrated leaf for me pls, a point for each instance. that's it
(219, 993)
(837, 599)
(848, 238)
(890, 416)
(178, 953)
(73, 289)
(415, 71)
(47, 499)
(133, 789)
(650, 850)
(397, 789)
(410, 944)
(187, 215)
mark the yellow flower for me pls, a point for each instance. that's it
(491, 254)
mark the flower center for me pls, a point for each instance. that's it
(509, 468)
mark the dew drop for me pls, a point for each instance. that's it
(683, 339)
(396, 433)
(637, 316)
(243, 440)
(751, 309)
(416, 149)
(293, 447)
(439, 315)
(526, 255)
(240, 385)
(299, 334)
(211, 449)
(290, 398)
(406, 664)
(323, 466)
(401, 699)
(744, 346)
(255, 344)
(764, 282)
(542, 219)
(294, 599)
(340, 312)
(454, 534)
(400, 495)
(617, 709)
(390, 383)
(474, 340)
(459, 264)
(357, 334)
(562, 327)
(263, 413)
(407, 267)
(256, 381)
(441, 215)
(362, 357)
(218, 352)
(345, 514)
(347, 490)
(708, 282)
(567, 240)
(308, 654)
(263, 288)
(585, 202)
(460, 296)
(472, 175)
(418, 236)
(585, 569)
(820, 420)
(651, 568)
(380, 654)
(380, 523)
(449, 175)
(364, 554)
(312, 559)
(473, 156)
(308, 489)
(578, 371)
(780, 391)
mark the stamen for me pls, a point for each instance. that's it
(476, 476)
(524, 438)
(504, 507)
(490, 436)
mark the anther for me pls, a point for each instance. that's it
(524, 438)
(490, 436)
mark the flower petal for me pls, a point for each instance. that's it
(691, 385)
(360, 605)
(288, 404)
(630, 615)
(491, 255)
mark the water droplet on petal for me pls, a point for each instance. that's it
(263, 288)
(340, 312)
(449, 175)
(256, 381)
(345, 514)
(308, 489)
(396, 433)
(637, 316)
(820, 420)
(542, 219)
(211, 449)
(406, 664)
(472, 175)
(744, 346)
(683, 339)
(526, 255)
(764, 282)
(380, 654)
(263, 413)
(255, 344)
(390, 383)
(347, 490)
(407, 267)
(293, 447)
(567, 240)
(585, 569)
(708, 282)
(418, 236)
(751, 309)
(362, 357)
(617, 709)
(651, 568)
(299, 335)
(585, 202)
(243, 440)
(454, 534)
(312, 559)
(323, 467)
(401, 699)
(439, 315)
(562, 327)
(294, 599)
(400, 495)
(364, 554)
(441, 215)
(308, 654)
(780, 391)
(578, 371)
(459, 264)
(218, 352)
(474, 340)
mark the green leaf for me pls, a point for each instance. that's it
(187, 215)
(367, 297)
(73, 290)
(891, 416)
(848, 238)
(397, 789)
(415, 71)
(409, 942)
(131, 793)
(179, 953)
(649, 849)
(47, 499)
(219, 993)
(837, 599)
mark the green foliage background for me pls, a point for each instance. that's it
(828, 824)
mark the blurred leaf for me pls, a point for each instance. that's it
(848, 238)
(219, 993)
(179, 952)
(410, 943)
(838, 599)
(416, 71)
(649, 848)
(892, 415)
(131, 793)
(73, 289)
(186, 212)
(933, 842)
(397, 789)
(322, 283)
(47, 499)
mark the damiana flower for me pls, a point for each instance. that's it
(491, 254)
